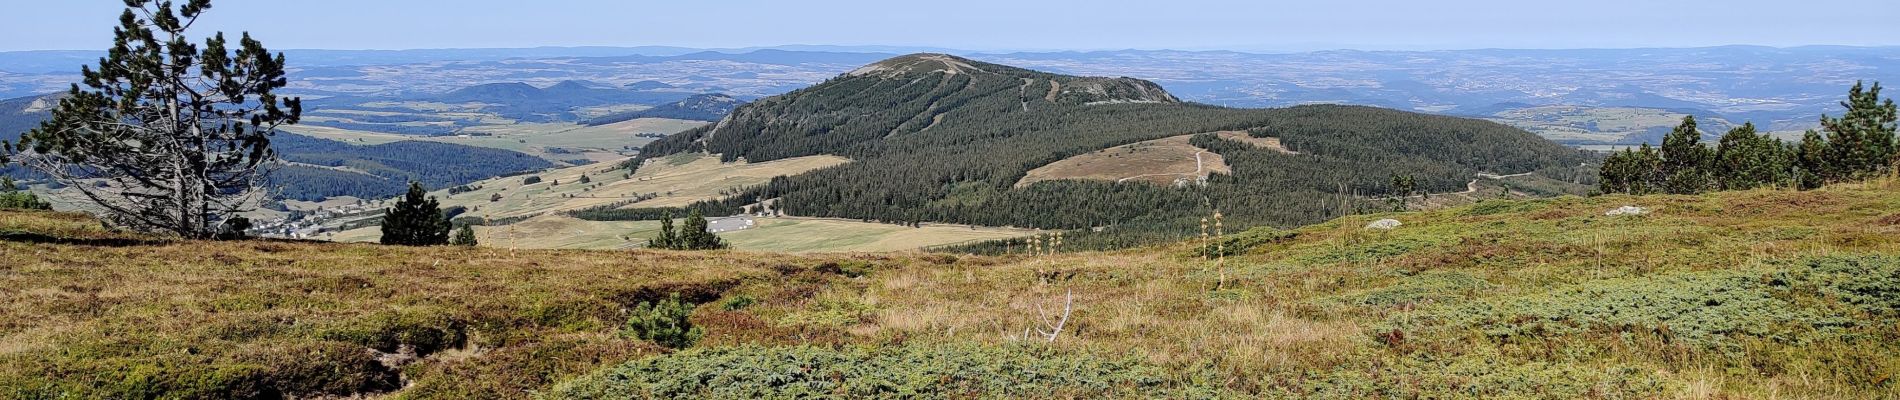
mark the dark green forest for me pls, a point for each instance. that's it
(935, 146)
(384, 170)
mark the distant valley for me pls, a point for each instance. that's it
(1782, 90)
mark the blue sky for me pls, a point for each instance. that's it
(995, 24)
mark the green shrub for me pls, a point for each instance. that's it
(664, 324)
(1480, 377)
(946, 371)
(848, 268)
(1781, 302)
(427, 330)
(11, 196)
(1427, 288)
(1373, 250)
(738, 302)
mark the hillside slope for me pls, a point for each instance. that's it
(1757, 294)
(945, 139)
(705, 107)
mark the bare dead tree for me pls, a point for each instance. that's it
(1050, 325)
(1055, 327)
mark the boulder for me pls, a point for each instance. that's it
(1627, 210)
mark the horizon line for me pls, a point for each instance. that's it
(870, 48)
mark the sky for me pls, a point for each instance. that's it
(994, 25)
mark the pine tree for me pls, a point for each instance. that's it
(1631, 171)
(1810, 159)
(1685, 160)
(1861, 141)
(694, 235)
(168, 135)
(1403, 186)
(1746, 160)
(464, 236)
(667, 239)
(416, 220)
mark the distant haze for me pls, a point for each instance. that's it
(992, 25)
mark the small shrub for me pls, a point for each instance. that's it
(11, 196)
(1432, 288)
(848, 268)
(947, 371)
(1707, 309)
(738, 302)
(664, 324)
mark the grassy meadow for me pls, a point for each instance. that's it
(1738, 295)
(561, 142)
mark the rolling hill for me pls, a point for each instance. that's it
(317, 168)
(521, 102)
(1735, 295)
(945, 139)
(705, 107)
(320, 168)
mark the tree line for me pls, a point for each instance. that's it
(1857, 145)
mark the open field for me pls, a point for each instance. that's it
(1160, 161)
(802, 235)
(674, 181)
(1164, 161)
(786, 235)
(1754, 294)
(560, 142)
(1601, 128)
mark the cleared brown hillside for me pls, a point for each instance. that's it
(1166, 161)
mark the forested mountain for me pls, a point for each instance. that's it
(326, 168)
(705, 107)
(23, 114)
(941, 138)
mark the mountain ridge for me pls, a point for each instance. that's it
(945, 139)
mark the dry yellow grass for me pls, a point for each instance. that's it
(1161, 161)
(699, 177)
(804, 235)
(787, 235)
(1331, 310)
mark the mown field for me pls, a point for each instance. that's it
(561, 142)
(1756, 294)
(672, 182)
